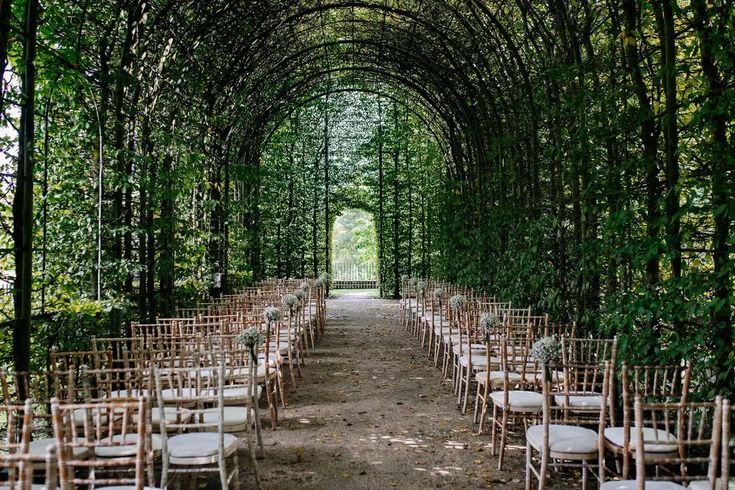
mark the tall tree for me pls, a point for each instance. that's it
(23, 200)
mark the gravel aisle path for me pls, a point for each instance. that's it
(372, 412)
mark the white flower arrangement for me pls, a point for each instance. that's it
(272, 314)
(318, 282)
(489, 321)
(546, 350)
(457, 301)
(325, 277)
(250, 338)
(404, 278)
(413, 282)
(300, 295)
(439, 294)
(421, 286)
(304, 286)
(289, 301)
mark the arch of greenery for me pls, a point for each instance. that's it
(572, 155)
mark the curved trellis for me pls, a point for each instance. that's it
(585, 153)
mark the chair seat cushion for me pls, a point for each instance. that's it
(632, 485)
(704, 484)
(41, 446)
(496, 377)
(123, 487)
(170, 413)
(519, 400)
(121, 448)
(197, 448)
(235, 418)
(667, 444)
(80, 414)
(568, 440)
(18, 485)
(237, 394)
(133, 393)
(243, 372)
(478, 360)
(580, 399)
(441, 328)
(476, 348)
(173, 395)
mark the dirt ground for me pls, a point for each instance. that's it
(371, 411)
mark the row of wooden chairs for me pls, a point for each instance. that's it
(577, 396)
(191, 371)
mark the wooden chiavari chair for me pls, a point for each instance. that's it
(518, 399)
(655, 384)
(200, 444)
(470, 355)
(680, 441)
(572, 418)
(16, 461)
(113, 436)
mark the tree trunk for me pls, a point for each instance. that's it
(381, 207)
(6, 14)
(396, 208)
(649, 139)
(719, 161)
(23, 199)
(667, 36)
(327, 217)
(166, 236)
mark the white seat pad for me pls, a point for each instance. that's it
(632, 485)
(476, 348)
(237, 393)
(564, 439)
(580, 399)
(235, 418)
(35, 486)
(41, 447)
(519, 399)
(496, 377)
(134, 393)
(81, 413)
(199, 446)
(170, 414)
(172, 395)
(704, 484)
(616, 436)
(126, 447)
(123, 487)
(478, 360)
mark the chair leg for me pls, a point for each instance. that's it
(222, 472)
(282, 394)
(529, 461)
(164, 470)
(542, 470)
(483, 413)
(466, 391)
(458, 371)
(494, 432)
(236, 475)
(290, 366)
(269, 394)
(503, 435)
(477, 404)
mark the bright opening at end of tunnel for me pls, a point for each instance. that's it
(355, 250)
